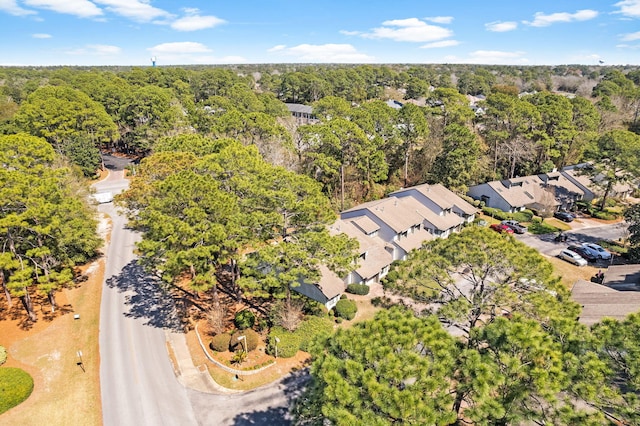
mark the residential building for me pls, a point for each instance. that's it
(600, 301)
(389, 229)
(374, 255)
(398, 220)
(326, 291)
(302, 113)
(566, 192)
(593, 185)
(443, 212)
(510, 195)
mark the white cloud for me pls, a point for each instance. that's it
(344, 53)
(440, 19)
(137, 10)
(628, 46)
(411, 29)
(104, 49)
(350, 33)
(11, 7)
(95, 50)
(277, 48)
(194, 22)
(181, 47)
(630, 8)
(40, 35)
(631, 36)
(442, 43)
(496, 57)
(501, 27)
(80, 8)
(542, 20)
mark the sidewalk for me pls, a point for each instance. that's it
(188, 374)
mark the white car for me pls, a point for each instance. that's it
(598, 251)
(572, 257)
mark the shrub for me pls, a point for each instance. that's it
(220, 342)
(244, 319)
(496, 213)
(523, 216)
(605, 214)
(314, 308)
(313, 329)
(288, 345)
(15, 386)
(346, 309)
(239, 357)
(3, 355)
(542, 228)
(343, 296)
(287, 313)
(361, 289)
(252, 340)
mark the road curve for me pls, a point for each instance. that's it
(138, 385)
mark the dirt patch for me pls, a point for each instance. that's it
(65, 391)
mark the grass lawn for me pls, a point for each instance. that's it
(63, 393)
(15, 386)
(569, 273)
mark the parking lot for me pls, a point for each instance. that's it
(583, 230)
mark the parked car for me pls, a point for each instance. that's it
(564, 216)
(503, 229)
(572, 257)
(600, 252)
(515, 225)
(584, 252)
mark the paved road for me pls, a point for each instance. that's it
(584, 231)
(137, 380)
(138, 383)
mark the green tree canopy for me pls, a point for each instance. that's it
(45, 229)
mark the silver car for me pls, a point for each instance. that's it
(572, 257)
(515, 226)
(598, 251)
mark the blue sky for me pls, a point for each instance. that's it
(131, 32)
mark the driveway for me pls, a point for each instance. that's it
(583, 230)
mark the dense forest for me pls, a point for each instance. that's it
(457, 125)
(233, 194)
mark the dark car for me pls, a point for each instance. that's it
(564, 216)
(584, 253)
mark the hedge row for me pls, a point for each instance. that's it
(360, 289)
(521, 216)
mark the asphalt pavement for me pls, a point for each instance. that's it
(584, 230)
(138, 322)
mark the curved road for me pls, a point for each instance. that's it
(137, 380)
